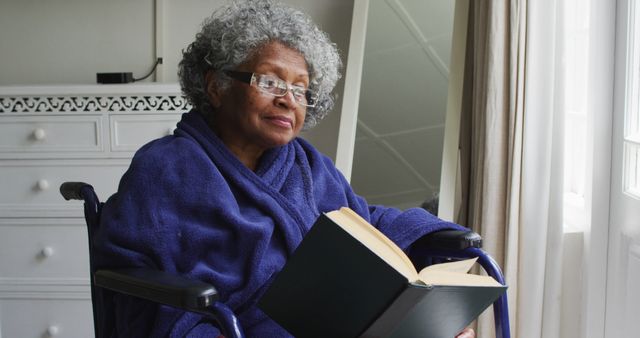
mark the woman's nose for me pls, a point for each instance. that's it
(287, 100)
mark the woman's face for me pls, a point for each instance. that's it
(249, 120)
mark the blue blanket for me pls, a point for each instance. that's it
(187, 205)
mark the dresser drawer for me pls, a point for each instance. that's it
(44, 251)
(31, 188)
(39, 318)
(33, 136)
(130, 132)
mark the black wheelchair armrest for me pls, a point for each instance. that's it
(452, 240)
(160, 287)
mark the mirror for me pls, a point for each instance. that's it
(403, 102)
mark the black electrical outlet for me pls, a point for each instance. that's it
(114, 77)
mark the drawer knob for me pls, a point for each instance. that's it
(47, 251)
(39, 134)
(53, 330)
(43, 184)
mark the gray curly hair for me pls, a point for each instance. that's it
(233, 32)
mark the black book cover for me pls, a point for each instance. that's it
(334, 286)
(433, 311)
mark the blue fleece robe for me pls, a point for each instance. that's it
(187, 205)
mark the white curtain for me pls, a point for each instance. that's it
(539, 274)
(514, 156)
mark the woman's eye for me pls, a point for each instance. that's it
(270, 83)
(299, 91)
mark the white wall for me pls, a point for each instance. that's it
(69, 41)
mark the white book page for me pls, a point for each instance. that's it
(375, 240)
(462, 266)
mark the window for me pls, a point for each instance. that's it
(631, 167)
(575, 19)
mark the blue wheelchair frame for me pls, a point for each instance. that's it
(196, 296)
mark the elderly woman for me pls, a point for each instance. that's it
(231, 194)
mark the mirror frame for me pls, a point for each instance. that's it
(449, 197)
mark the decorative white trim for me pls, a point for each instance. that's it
(92, 98)
(72, 104)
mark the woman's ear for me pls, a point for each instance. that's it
(213, 92)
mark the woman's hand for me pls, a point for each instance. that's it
(467, 333)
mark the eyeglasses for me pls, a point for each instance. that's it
(275, 86)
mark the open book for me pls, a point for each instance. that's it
(347, 279)
(376, 241)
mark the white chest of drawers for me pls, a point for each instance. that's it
(49, 135)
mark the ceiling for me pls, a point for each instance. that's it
(398, 150)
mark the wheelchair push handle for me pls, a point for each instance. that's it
(73, 190)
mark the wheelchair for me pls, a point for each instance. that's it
(202, 298)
